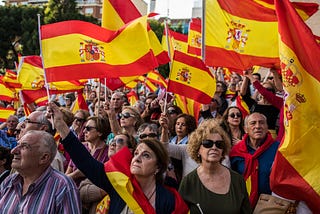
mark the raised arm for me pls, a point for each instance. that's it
(93, 169)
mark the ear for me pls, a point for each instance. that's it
(45, 158)
(245, 129)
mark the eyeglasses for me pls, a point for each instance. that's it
(209, 143)
(233, 115)
(151, 135)
(118, 141)
(81, 120)
(89, 128)
(172, 112)
(32, 122)
(126, 115)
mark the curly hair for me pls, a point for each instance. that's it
(209, 126)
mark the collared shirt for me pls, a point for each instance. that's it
(182, 141)
(52, 192)
(6, 140)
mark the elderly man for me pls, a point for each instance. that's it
(254, 154)
(37, 120)
(7, 135)
(37, 187)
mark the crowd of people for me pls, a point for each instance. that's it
(150, 157)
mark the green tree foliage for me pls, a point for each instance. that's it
(62, 10)
(18, 25)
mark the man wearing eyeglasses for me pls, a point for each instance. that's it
(254, 154)
(38, 120)
(37, 187)
(7, 135)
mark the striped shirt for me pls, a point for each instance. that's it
(52, 192)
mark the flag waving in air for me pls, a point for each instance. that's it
(116, 13)
(190, 77)
(84, 50)
(194, 37)
(240, 34)
(295, 172)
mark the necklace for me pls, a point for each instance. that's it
(151, 195)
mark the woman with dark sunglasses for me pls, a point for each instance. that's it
(232, 123)
(212, 187)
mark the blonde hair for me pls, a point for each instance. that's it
(209, 126)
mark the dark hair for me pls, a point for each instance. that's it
(6, 155)
(258, 75)
(224, 122)
(162, 156)
(176, 108)
(190, 122)
(102, 126)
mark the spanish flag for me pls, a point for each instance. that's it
(155, 77)
(117, 13)
(195, 37)
(188, 106)
(191, 78)
(115, 83)
(5, 113)
(11, 80)
(177, 41)
(240, 34)
(7, 93)
(295, 172)
(83, 50)
(79, 103)
(31, 76)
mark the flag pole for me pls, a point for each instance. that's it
(46, 85)
(203, 31)
(170, 65)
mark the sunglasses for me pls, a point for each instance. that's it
(209, 143)
(270, 78)
(89, 128)
(81, 120)
(233, 115)
(117, 141)
(172, 112)
(151, 135)
(126, 115)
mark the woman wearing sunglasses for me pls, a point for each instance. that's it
(232, 123)
(95, 131)
(141, 171)
(212, 187)
(78, 123)
(130, 120)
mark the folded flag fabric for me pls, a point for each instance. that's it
(84, 50)
(295, 172)
(187, 77)
(239, 34)
(195, 37)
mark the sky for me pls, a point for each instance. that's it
(177, 8)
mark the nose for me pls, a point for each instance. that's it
(137, 158)
(15, 150)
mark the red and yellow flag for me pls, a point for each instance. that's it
(195, 37)
(295, 172)
(10, 78)
(155, 77)
(187, 78)
(7, 93)
(188, 106)
(79, 103)
(117, 13)
(239, 34)
(31, 76)
(177, 41)
(84, 50)
(5, 113)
